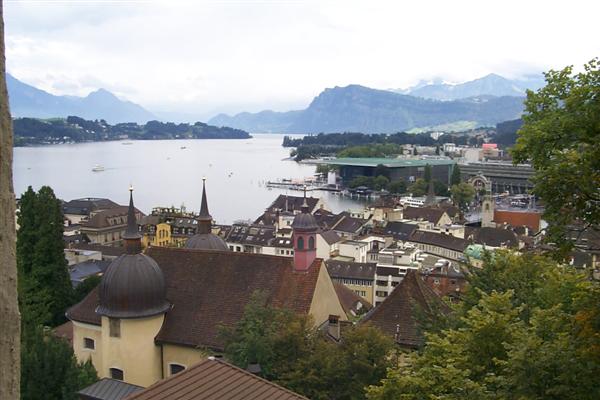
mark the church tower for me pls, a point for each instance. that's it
(487, 207)
(304, 237)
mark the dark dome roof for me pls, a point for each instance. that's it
(133, 287)
(206, 241)
(305, 222)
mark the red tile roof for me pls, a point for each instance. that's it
(214, 379)
(210, 288)
(519, 218)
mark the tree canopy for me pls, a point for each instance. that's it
(561, 138)
(292, 353)
(527, 330)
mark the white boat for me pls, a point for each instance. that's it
(126, 143)
(98, 168)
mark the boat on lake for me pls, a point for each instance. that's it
(98, 168)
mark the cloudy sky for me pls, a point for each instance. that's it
(204, 57)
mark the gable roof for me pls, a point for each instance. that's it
(211, 288)
(431, 214)
(350, 269)
(103, 219)
(495, 237)
(399, 230)
(439, 239)
(108, 389)
(396, 316)
(330, 237)
(260, 235)
(86, 205)
(327, 220)
(214, 379)
(294, 203)
(349, 224)
(349, 299)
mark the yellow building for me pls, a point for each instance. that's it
(157, 313)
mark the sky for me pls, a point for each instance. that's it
(205, 57)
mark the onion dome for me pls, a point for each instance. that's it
(133, 286)
(305, 221)
(204, 239)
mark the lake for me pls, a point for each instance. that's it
(164, 174)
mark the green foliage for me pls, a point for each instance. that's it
(49, 369)
(85, 287)
(35, 131)
(380, 182)
(291, 353)
(372, 150)
(427, 173)
(462, 195)
(344, 370)
(361, 181)
(271, 337)
(455, 178)
(517, 335)
(397, 187)
(418, 188)
(561, 138)
(325, 168)
(44, 286)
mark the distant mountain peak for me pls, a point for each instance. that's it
(29, 101)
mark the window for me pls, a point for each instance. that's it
(114, 327)
(175, 368)
(116, 373)
(89, 343)
(300, 243)
(311, 243)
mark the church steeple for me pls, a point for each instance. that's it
(204, 218)
(305, 229)
(132, 237)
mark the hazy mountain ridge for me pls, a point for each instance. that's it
(28, 101)
(356, 108)
(492, 85)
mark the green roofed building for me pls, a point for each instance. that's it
(409, 169)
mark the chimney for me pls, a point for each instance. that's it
(333, 327)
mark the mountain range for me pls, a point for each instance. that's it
(484, 101)
(492, 85)
(28, 101)
(356, 108)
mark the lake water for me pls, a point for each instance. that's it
(163, 174)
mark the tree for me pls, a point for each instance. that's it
(274, 338)
(397, 187)
(415, 151)
(561, 138)
(437, 150)
(380, 182)
(361, 181)
(462, 195)
(342, 370)
(85, 287)
(455, 178)
(9, 309)
(295, 355)
(427, 173)
(50, 370)
(418, 188)
(517, 336)
(45, 288)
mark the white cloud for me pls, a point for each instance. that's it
(211, 56)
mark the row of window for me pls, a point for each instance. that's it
(360, 282)
(117, 373)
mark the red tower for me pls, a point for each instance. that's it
(304, 237)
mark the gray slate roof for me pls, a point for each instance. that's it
(350, 269)
(108, 389)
